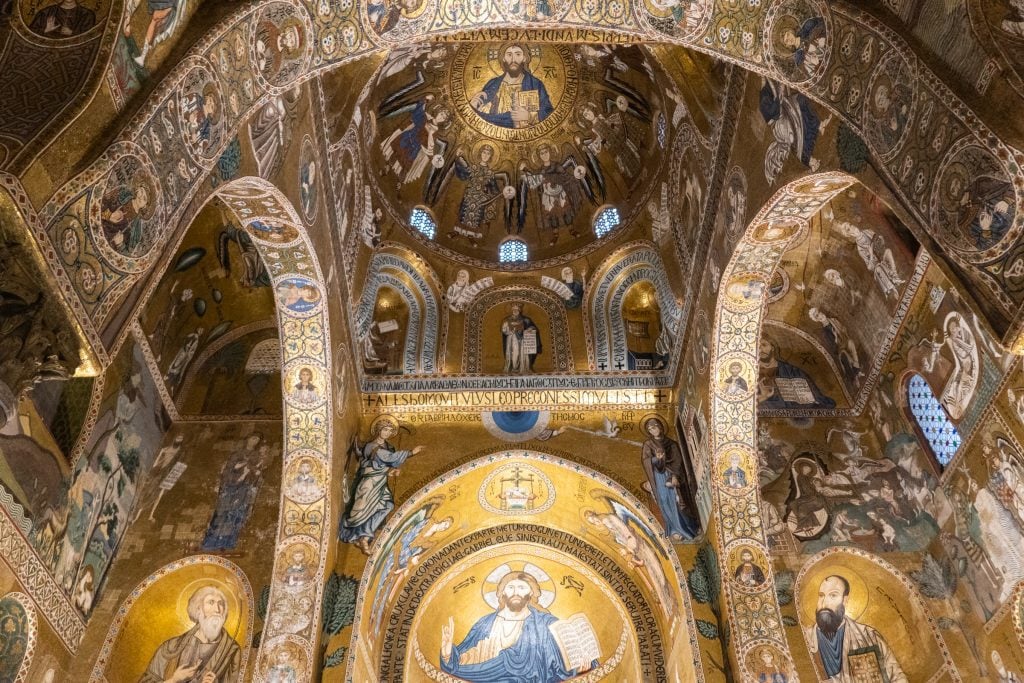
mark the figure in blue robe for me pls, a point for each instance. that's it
(372, 500)
(533, 658)
(494, 108)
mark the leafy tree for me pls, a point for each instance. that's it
(339, 610)
(853, 153)
(705, 582)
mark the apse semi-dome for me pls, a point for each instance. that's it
(527, 140)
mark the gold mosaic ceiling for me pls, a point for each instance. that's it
(476, 145)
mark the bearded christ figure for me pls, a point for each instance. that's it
(517, 98)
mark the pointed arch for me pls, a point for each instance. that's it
(396, 267)
(626, 266)
(278, 233)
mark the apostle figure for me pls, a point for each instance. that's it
(807, 43)
(206, 653)
(63, 19)
(663, 462)
(513, 643)
(372, 501)
(575, 287)
(517, 98)
(735, 477)
(986, 209)
(305, 389)
(748, 573)
(521, 341)
(836, 638)
(735, 385)
(124, 212)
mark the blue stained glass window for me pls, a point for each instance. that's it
(512, 251)
(933, 420)
(606, 221)
(423, 223)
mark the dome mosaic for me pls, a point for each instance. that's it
(528, 140)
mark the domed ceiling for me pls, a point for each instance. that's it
(475, 145)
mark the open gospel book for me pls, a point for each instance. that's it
(576, 640)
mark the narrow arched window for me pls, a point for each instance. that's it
(606, 220)
(423, 222)
(512, 250)
(932, 420)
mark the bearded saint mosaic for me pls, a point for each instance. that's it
(515, 139)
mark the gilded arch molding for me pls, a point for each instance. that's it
(754, 612)
(277, 231)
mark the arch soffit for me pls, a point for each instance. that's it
(305, 343)
(739, 313)
(901, 157)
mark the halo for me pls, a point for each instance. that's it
(651, 416)
(474, 153)
(489, 586)
(857, 602)
(232, 624)
(389, 419)
(416, 11)
(783, 23)
(148, 183)
(535, 61)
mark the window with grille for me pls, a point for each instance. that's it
(933, 420)
(606, 221)
(423, 223)
(512, 251)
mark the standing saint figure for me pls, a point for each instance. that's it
(663, 462)
(372, 501)
(206, 653)
(516, 331)
(240, 480)
(559, 186)
(517, 98)
(513, 643)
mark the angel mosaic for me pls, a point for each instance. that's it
(558, 187)
(372, 500)
(485, 190)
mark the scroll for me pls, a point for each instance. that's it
(530, 340)
(556, 286)
(576, 640)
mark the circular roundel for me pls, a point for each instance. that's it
(281, 44)
(298, 295)
(127, 212)
(798, 39)
(201, 103)
(686, 19)
(516, 425)
(305, 384)
(272, 232)
(516, 488)
(889, 105)
(736, 377)
(973, 203)
(748, 567)
(397, 21)
(553, 66)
